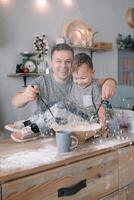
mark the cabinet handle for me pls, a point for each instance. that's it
(73, 189)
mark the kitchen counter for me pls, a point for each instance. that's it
(98, 169)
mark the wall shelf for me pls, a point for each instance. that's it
(89, 49)
(24, 76)
(92, 49)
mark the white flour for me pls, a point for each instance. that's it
(29, 158)
(63, 113)
(75, 123)
(78, 126)
(48, 153)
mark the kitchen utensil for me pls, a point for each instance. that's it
(58, 120)
(96, 112)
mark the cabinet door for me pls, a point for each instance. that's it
(127, 193)
(113, 196)
(91, 178)
(126, 166)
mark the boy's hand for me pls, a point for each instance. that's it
(102, 120)
(104, 133)
(108, 88)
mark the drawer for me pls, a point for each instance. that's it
(126, 166)
(92, 178)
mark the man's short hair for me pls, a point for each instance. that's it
(60, 47)
(82, 58)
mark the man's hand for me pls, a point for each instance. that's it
(30, 93)
(108, 88)
(27, 95)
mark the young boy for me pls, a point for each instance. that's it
(85, 94)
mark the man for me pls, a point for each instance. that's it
(55, 86)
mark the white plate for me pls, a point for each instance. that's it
(130, 17)
(78, 33)
(76, 38)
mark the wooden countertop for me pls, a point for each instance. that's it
(23, 159)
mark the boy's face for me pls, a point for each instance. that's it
(61, 65)
(83, 76)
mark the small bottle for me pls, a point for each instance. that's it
(111, 119)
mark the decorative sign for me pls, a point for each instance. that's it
(126, 67)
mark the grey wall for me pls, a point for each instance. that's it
(21, 21)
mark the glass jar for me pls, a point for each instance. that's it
(111, 119)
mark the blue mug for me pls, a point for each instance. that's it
(64, 141)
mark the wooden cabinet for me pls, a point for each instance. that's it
(88, 179)
(126, 67)
(126, 166)
(101, 171)
(126, 175)
(0, 193)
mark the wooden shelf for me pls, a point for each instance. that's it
(89, 49)
(24, 76)
(92, 49)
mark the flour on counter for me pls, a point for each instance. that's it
(33, 158)
(29, 158)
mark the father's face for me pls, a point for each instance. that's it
(61, 65)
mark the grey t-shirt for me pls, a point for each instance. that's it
(53, 92)
(50, 90)
(85, 98)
